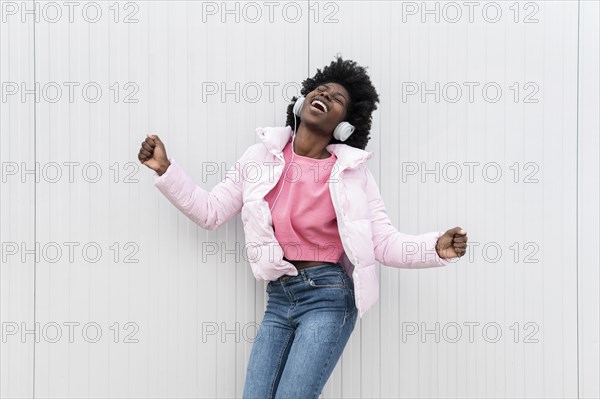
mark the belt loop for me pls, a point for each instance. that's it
(303, 273)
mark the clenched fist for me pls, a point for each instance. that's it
(452, 243)
(154, 155)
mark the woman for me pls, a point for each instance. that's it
(315, 235)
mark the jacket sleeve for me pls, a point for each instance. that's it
(396, 249)
(208, 209)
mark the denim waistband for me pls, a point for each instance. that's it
(311, 271)
(321, 266)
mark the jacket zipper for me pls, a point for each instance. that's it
(342, 228)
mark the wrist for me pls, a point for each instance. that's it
(163, 168)
(437, 251)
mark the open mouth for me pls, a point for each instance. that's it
(319, 106)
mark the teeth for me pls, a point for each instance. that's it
(320, 102)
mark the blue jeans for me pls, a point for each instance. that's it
(307, 323)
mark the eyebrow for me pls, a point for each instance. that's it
(337, 93)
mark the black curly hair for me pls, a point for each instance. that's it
(363, 98)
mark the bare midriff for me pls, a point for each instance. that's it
(303, 264)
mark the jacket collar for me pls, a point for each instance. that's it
(275, 139)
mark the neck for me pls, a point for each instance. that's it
(310, 143)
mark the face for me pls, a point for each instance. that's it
(330, 109)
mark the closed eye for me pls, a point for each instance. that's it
(336, 97)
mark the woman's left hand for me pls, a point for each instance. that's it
(452, 243)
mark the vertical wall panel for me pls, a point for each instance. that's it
(17, 196)
(528, 135)
(162, 70)
(588, 192)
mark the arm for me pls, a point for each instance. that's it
(208, 209)
(393, 248)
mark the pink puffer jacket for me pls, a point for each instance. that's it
(365, 229)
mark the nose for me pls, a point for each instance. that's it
(325, 94)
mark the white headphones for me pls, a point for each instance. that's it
(342, 131)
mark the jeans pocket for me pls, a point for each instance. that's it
(327, 280)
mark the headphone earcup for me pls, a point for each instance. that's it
(298, 105)
(343, 130)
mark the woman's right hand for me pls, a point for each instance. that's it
(154, 155)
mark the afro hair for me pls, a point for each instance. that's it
(363, 98)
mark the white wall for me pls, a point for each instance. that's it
(155, 63)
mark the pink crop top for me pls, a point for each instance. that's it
(304, 219)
